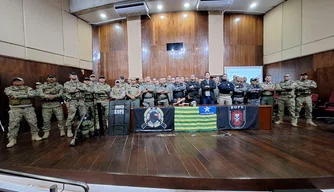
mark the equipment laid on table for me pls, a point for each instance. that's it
(119, 117)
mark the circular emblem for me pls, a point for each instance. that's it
(153, 117)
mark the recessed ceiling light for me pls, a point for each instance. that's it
(159, 7)
(185, 15)
(252, 5)
(186, 5)
(103, 16)
(162, 17)
(237, 19)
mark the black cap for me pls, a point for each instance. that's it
(86, 79)
(117, 81)
(303, 74)
(253, 79)
(73, 73)
(101, 77)
(51, 76)
(121, 77)
(92, 75)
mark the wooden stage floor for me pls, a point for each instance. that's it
(281, 153)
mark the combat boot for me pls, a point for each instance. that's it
(11, 143)
(46, 135)
(35, 137)
(280, 121)
(294, 122)
(310, 122)
(62, 133)
(69, 133)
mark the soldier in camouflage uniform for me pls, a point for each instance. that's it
(74, 92)
(254, 92)
(102, 92)
(133, 93)
(20, 106)
(239, 91)
(303, 97)
(51, 93)
(148, 93)
(267, 97)
(124, 84)
(90, 104)
(118, 92)
(162, 93)
(286, 97)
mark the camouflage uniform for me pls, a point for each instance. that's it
(148, 98)
(53, 106)
(239, 92)
(254, 94)
(74, 95)
(90, 108)
(21, 106)
(267, 97)
(286, 97)
(162, 98)
(133, 90)
(303, 97)
(102, 92)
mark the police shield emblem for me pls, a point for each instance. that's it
(237, 116)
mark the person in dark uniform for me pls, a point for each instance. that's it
(193, 89)
(226, 89)
(178, 89)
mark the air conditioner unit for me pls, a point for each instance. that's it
(131, 9)
(212, 5)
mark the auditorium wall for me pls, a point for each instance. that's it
(319, 67)
(298, 28)
(110, 44)
(45, 31)
(191, 30)
(243, 40)
(31, 72)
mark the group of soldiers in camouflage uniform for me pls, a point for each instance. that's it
(83, 97)
(290, 94)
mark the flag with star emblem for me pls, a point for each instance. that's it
(194, 119)
(207, 110)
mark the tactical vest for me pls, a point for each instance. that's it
(25, 101)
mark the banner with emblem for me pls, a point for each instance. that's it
(237, 117)
(153, 119)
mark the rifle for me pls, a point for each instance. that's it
(3, 129)
(75, 137)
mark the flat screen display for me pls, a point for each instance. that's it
(174, 46)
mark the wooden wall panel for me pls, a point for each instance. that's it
(243, 40)
(319, 67)
(110, 44)
(191, 30)
(31, 72)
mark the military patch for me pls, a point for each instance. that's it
(237, 116)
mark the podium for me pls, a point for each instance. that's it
(119, 117)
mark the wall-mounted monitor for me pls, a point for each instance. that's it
(174, 46)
